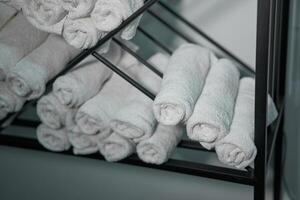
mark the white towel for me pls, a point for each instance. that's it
(93, 116)
(115, 148)
(81, 33)
(159, 148)
(6, 14)
(53, 140)
(46, 15)
(83, 144)
(17, 38)
(237, 148)
(30, 76)
(109, 14)
(182, 84)
(52, 113)
(78, 86)
(9, 101)
(78, 8)
(214, 109)
(136, 120)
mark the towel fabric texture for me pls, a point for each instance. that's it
(17, 38)
(182, 84)
(214, 109)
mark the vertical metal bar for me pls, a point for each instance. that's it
(281, 62)
(261, 87)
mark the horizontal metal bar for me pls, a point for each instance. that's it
(188, 144)
(207, 37)
(124, 75)
(139, 58)
(183, 167)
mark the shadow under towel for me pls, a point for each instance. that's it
(182, 84)
(17, 39)
(158, 149)
(83, 83)
(237, 148)
(214, 109)
(9, 101)
(31, 74)
(136, 120)
(53, 140)
(46, 15)
(6, 14)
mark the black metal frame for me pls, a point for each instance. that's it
(270, 67)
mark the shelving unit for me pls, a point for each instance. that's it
(270, 67)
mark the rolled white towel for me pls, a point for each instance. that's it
(53, 140)
(93, 116)
(9, 101)
(46, 15)
(159, 148)
(84, 144)
(17, 38)
(78, 86)
(237, 148)
(214, 109)
(115, 147)
(109, 14)
(52, 113)
(78, 8)
(81, 33)
(6, 13)
(182, 84)
(30, 76)
(136, 120)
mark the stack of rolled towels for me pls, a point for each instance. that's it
(199, 91)
(81, 22)
(93, 110)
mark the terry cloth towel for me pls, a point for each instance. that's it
(182, 83)
(115, 147)
(159, 148)
(214, 109)
(109, 14)
(17, 38)
(83, 144)
(136, 120)
(81, 33)
(237, 148)
(6, 13)
(9, 101)
(78, 8)
(78, 86)
(53, 140)
(52, 113)
(46, 15)
(93, 117)
(30, 76)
